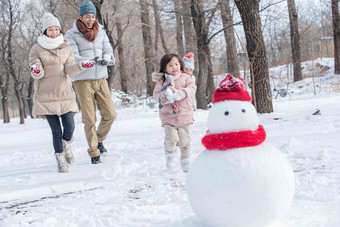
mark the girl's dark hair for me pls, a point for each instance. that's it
(166, 59)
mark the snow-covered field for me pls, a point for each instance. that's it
(131, 187)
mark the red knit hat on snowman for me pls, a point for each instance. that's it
(233, 89)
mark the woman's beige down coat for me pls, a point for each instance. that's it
(53, 92)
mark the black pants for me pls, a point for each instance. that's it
(67, 121)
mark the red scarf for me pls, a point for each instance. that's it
(231, 140)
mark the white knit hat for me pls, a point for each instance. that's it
(189, 61)
(49, 20)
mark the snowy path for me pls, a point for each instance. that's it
(132, 188)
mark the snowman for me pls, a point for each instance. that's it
(239, 180)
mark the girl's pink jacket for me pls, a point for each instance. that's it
(185, 114)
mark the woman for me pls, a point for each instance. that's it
(51, 62)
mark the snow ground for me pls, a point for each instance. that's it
(132, 187)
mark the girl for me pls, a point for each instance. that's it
(189, 67)
(51, 62)
(173, 92)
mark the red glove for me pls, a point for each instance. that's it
(35, 69)
(87, 64)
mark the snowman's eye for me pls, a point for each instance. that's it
(226, 113)
(243, 110)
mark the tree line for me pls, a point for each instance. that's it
(218, 32)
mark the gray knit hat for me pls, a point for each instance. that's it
(87, 7)
(49, 20)
(189, 61)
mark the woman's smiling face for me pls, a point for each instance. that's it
(53, 32)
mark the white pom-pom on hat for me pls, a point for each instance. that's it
(49, 20)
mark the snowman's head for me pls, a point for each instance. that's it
(232, 116)
(232, 110)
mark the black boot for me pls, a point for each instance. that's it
(95, 160)
(103, 151)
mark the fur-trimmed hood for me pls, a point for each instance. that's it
(156, 76)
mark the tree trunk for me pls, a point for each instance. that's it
(18, 94)
(211, 83)
(249, 11)
(122, 68)
(4, 98)
(227, 20)
(98, 4)
(159, 28)
(179, 28)
(30, 96)
(189, 33)
(4, 83)
(147, 41)
(10, 63)
(204, 87)
(23, 100)
(295, 40)
(336, 33)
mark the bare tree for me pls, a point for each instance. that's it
(122, 68)
(189, 32)
(30, 92)
(159, 28)
(4, 85)
(120, 48)
(179, 26)
(227, 20)
(295, 40)
(30, 32)
(14, 72)
(205, 83)
(105, 22)
(336, 33)
(147, 41)
(249, 11)
(4, 74)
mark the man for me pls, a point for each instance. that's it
(89, 41)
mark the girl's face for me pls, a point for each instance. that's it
(53, 32)
(173, 67)
(188, 71)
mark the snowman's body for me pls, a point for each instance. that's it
(244, 186)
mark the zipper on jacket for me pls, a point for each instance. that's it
(94, 54)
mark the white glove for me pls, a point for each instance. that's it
(107, 60)
(174, 95)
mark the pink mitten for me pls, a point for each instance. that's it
(87, 64)
(35, 69)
